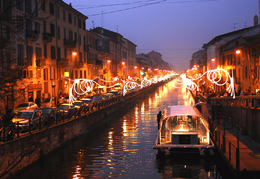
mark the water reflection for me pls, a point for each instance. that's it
(124, 147)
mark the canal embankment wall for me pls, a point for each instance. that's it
(22, 152)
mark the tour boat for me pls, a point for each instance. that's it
(183, 130)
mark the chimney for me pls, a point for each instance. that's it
(70, 4)
(256, 20)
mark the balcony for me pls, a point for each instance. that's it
(46, 37)
(79, 64)
(63, 63)
(70, 43)
(32, 35)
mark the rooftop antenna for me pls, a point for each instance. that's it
(245, 24)
(102, 19)
(117, 28)
(235, 26)
(93, 24)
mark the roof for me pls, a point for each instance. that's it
(181, 110)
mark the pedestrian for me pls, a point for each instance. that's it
(30, 99)
(159, 116)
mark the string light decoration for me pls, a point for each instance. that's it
(82, 86)
(214, 76)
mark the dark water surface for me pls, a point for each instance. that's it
(124, 148)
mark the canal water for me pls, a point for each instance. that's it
(123, 148)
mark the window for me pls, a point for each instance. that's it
(84, 26)
(80, 74)
(70, 18)
(38, 73)
(37, 27)
(71, 74)
(28, 6)
(64, 15)
(85, 74)
(52, 26)
(65, 53)
(43, 5)
(45, 73)
(8, 35)
(58, 33)
(20, 23)
(53, 54)
(58, 53)
(80, 56)
(70, 35)
(29, 55)
(79, 23)
(51, 8)
(75, 35)
(45, 50)
(85, 60)
(75, 21)
(79, 39)
(24, 73)
(20, 54)
(30, 75)
(76, 74)
(58, 12)
(64, 32)
(36, 8)
(19, 4)
(38, 52)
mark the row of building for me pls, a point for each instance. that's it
(236, 52)
(40, 40)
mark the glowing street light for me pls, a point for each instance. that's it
(213, 59)
(123, 63)
(74, 53)
(135, 67)
(238, 51)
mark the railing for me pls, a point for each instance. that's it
(16, 130)
(47, 37)
(251, 101)
(70, 43)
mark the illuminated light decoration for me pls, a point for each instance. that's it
(86, 85)
(214, 76)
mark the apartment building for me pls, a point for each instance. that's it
(64, 46)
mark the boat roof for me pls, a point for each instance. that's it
(181, 110)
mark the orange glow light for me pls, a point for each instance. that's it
(74, 53)
(108, 61)
(135, 67)
(123, 63)
(213, 59)
(238, 51)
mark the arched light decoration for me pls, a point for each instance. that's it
(214, 76)
(87, 85)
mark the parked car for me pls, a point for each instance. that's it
(78, 104)
(48, 102)
(116, 93)
(23, 106)
(98, 98)
(24, 116)
(86, 101)
(65, 108)
(48, 114)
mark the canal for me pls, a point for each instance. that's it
(123, 148)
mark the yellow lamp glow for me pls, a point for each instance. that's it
(74, 53)
(67, 74)
(238, 51)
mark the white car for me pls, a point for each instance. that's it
(24, 116)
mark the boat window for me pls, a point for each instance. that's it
(182, 123)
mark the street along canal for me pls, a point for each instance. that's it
(123, 148)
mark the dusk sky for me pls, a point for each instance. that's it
(174, 28)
